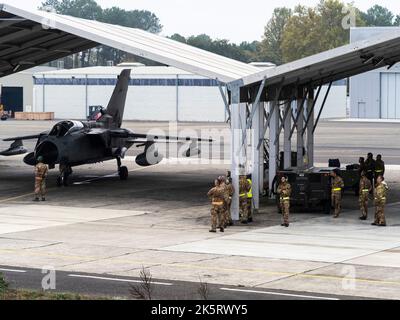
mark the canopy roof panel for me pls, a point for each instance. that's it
(332, 65)
(33, 37)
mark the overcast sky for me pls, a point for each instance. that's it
(224, 19)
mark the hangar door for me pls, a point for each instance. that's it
(12, 99)
(390, 96)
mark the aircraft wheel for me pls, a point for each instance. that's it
(65, 180)
(123, 173)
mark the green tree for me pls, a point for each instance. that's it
(270, 47)
(313, 30)
(178, 37)
(301, 34)
(89, 9)
(378, 16)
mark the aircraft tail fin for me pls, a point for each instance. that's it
(116, 106)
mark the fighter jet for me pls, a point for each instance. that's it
(75, 143)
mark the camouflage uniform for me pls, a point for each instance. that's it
(41, 172)
(244, 188)
(229, 190)
(337, 187)
(380, 202)
(365, 188)
(285, 191)
(218, 198)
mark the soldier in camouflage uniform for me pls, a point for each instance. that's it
(41, 171)
(380, 202)
(365, 189)
(337, 187)
(285, 191)
(244, 188)
(379, 167)
(229, 194)
(218, 199)
(370, 168)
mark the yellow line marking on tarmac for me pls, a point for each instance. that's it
(50, 189)
(16, 198)
(125, 262)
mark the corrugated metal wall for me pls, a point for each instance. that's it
(375, 94)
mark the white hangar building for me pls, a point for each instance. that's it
(155, 94)
(375, 94)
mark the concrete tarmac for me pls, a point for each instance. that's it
(159, 219)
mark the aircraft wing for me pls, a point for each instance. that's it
(16, 148)
(140, 138)
(32, 137)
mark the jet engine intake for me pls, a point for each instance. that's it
(150, 157)
(48, 151)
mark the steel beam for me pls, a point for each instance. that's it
(256, 103)
(322, 107)
(224, 99)
(236, 143)
(282, 121)
(300, 139)
(273, 106)
(257, 155)
(287, 142)
(300, 114)
(309, 127)
(19, 34)
(310, 109)
(273, 149)
(15, 48)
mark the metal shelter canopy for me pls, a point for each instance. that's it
(325, 67)
(33, 37)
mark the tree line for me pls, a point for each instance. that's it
(290, 34)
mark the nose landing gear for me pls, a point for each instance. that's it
(122, 171)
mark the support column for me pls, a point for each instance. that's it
(300, 138)
(310, 129)
(273, 149)
(237, 154)
(257, 155)
(287, 144)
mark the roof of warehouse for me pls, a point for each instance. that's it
(150, 70)
(33, 37)
(336, 64)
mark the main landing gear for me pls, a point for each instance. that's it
(122, 171)
(62, 179)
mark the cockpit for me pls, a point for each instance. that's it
(64, 128)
